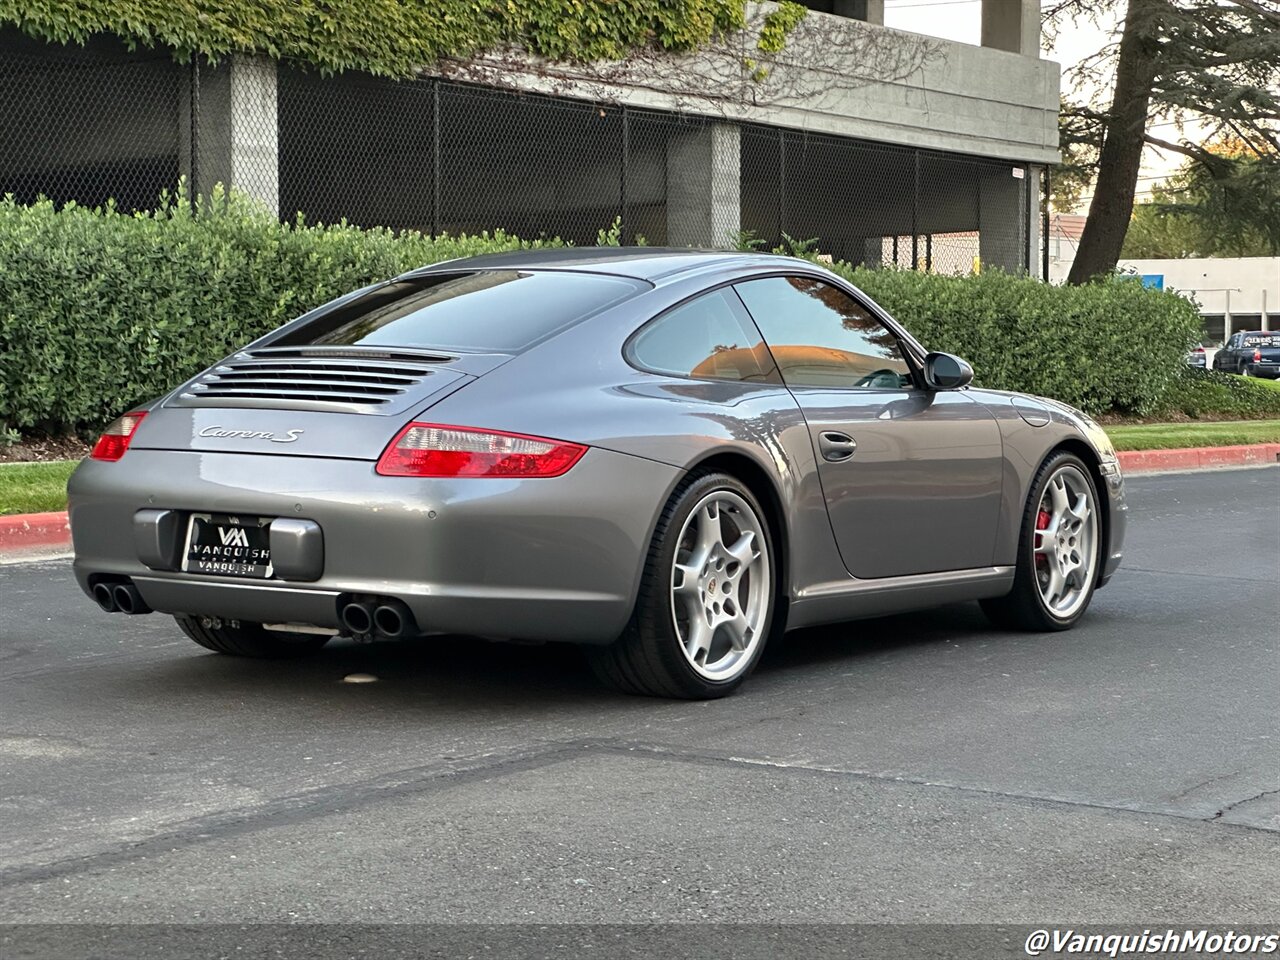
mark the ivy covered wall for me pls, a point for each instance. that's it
(394, 37)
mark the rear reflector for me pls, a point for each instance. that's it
(116, 438)
(434, 450)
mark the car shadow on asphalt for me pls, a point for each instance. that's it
(854, 640)
(462, 673)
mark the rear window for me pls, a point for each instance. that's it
(492, 311)
(1262, 339)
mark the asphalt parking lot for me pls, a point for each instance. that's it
(921, 768)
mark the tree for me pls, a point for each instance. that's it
(1080, 140)
(1229, 208)
(1215, 61)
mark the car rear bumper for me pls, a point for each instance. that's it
(547, 559)
(1268, 370)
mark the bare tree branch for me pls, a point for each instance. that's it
(821, 61)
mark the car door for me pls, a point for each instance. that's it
(1227, 358)
(911, 477)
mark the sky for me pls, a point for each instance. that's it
(961, 20)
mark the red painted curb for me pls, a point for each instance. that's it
(34, 531)
(1195, 458)
(47, 531)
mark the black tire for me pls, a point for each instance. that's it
(1023, 608)
(648, 658)
(240, 639)
(1246, 370)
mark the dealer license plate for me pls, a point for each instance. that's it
(228, 545)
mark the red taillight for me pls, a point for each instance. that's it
(435, 450)
(115, 439)
(1257, 356)
(1199, 349)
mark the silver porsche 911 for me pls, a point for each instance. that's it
(667, 456)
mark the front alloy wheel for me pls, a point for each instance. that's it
(706, 599)
(1058, 552)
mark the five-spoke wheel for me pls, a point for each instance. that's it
(719, 585)
(706, 599)
(1058, 552)
(1066, 538)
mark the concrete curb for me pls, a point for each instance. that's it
(1199, 458)
(35, 533)
(47, 532)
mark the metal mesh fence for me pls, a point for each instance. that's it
(442, 157)
(87, 124)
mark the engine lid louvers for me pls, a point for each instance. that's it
(343, 379)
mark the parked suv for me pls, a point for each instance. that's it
(1250, 353)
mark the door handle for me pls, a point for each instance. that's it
(835, 446)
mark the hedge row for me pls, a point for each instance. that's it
(1111, 346)
(99, 309)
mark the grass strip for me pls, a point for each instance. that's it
(34, 487)
(1167, 436)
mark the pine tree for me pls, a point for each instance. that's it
(1215, 61)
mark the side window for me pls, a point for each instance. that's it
(709, 338)
(821, 337)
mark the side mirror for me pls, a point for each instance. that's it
(942, 371)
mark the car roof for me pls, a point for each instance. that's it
(654, 264)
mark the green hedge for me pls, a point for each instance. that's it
(100, 310)
(1111, 346)
(1208, 393)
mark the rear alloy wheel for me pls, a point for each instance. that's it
(706, 599)
(1246, 370)
(1058, 552)
(241, 639)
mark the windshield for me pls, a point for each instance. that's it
(491, 311)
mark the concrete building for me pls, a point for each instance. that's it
(887, 146)
(1232, 293)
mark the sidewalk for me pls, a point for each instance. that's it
(48, 534)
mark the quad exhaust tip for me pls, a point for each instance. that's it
(104, 597)
(128, 599)
(119, 596)
(358, 619)
(393, 619)
(382, 616)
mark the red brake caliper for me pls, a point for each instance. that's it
(1042, 523)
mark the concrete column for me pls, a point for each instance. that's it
(872, 11)
(704, 177)
(873, 252)
(1012, 25)
(1002, 220)
(1035, 236)
(236, 129)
